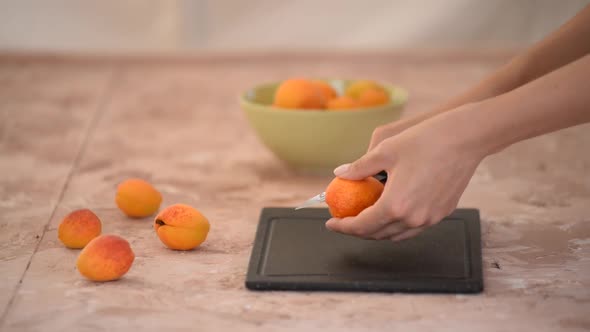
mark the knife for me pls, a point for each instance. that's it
(321, 198)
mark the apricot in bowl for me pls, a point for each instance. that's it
(317, 140)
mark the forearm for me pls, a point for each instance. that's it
(499, 82)
(555, 101)
(568, 43)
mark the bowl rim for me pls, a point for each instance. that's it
(400, 99)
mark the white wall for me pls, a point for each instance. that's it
(178, 25)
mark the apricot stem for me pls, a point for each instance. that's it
(160, 222)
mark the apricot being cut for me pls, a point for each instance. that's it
(356, 88)
(299, 94)
(348, 198)
(181, 227)
(78, 228)
(373, 97)
(137, 198)
(342, 103)
(105, 258)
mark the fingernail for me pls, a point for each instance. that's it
(341, 169)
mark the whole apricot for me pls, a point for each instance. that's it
(373, 97)
(300, 94)
(347, 198)
(325, 89)
(78, 228)
(137, 198)
(342, 103)
(356, 88)
(105, 258)
(181, 227)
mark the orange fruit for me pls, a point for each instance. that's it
(347, 198)
(181, 227)
(138, 198)
(373, 97)
(299, 94)
(78, 228)
(356, 88)
(325, 89)
(342, 103)
(105, 258)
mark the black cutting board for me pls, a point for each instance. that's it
(294, 251)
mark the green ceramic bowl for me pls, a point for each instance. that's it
(317, 140)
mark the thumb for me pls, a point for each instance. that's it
(368, 165)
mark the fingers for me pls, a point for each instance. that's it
(379, 134)
(396, 231)
(363, 225)
(369, 164)
(393, 229)
(407, 234)
(383, 132)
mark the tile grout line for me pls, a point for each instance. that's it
(100, 110)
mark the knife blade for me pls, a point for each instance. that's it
(317, 199)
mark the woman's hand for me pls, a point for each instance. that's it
(431, 157)
(391, 129)
(429, 165)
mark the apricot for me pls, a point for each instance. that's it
(137, 198)
(78, 228)
(105, 258)
(300, 94)
(347, 198)
(326, 90)
(356, 88)
(181, 227)
(342, 103)
(373, 97)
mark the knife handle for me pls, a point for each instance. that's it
(381, 176)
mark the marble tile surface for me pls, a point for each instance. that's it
(73, 128)
(46, 112)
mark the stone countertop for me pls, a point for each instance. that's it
(73, 127)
